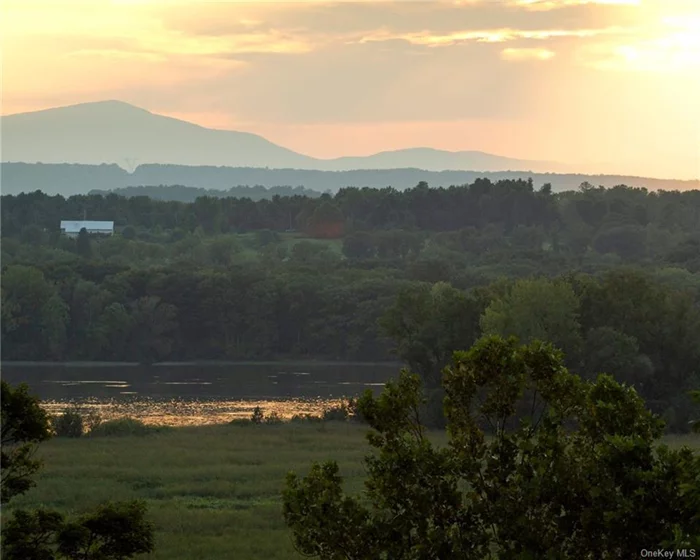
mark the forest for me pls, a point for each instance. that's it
(610, 276)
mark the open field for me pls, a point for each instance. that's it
(212, 491)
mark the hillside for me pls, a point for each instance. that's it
(113, 132)
(67, 179)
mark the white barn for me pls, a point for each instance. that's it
(72, 228)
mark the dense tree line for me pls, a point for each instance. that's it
(181, 193)
(638, 328)
(73, 178)
(609, 276)
(631, 223)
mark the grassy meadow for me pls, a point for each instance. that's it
(213, 492)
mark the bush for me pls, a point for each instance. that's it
(257, 416)
(91, 419)
(69, 424)
(122, 427)
(305, 418)
(354, 412)
(273, 418)
(336, 414)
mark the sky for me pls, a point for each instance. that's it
(613, 84)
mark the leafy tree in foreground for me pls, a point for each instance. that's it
(580, 477)
(24, 424)
(113, 532)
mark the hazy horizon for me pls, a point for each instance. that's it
(612, 83)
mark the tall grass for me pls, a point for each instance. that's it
(213, 492)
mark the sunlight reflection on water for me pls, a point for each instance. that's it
(180, 412)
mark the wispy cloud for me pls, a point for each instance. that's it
(315, 69)
(430, 39)
(527, 54)
(558, 4)
(673, 47)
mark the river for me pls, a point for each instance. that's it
(177, 394)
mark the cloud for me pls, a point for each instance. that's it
(559, 4)
(672, 47)
(317, 67)
(487, 35)
(527, 54)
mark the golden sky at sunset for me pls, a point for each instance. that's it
(616, 82)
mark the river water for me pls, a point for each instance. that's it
(177, 394)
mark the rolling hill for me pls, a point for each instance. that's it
(70, 179)
(114, 132)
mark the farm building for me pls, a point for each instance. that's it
(72, 228)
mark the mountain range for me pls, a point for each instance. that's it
(114, 132)
(183, 181)
(117, 147)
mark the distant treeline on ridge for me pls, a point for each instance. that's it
(70, 179)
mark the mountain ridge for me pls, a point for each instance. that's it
(70, 179)
(76, 134)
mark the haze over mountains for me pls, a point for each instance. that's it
(120, 133)
(112, 145)
(70, 179)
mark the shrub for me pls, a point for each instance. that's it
(257, 416)
(69, 424)
(91, 419)
(273, 418)
(336, 414)
(355, 413)
(306, 418)
(122, 427)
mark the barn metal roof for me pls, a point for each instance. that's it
(76, 226)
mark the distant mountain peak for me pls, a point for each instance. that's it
(114, 131)
(110, 105)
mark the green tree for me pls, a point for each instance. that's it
(427, 323)
(265, 237)
(358, 245)
(114, 532)
(326, 220)
(33, 235)
(610, 351)
(222, 250)
(543, 486)
(24, 424)
(537, 309)
(87, 302)
(83, 245)
(152, 324)
(34, 316)
(129, 232)
(312, 253)
(112, 332)
(629, 241)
